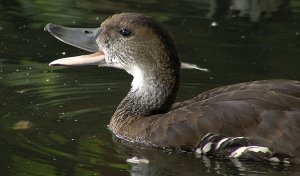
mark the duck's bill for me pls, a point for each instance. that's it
(83, 38)
(97, 58)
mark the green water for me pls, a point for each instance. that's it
(66, 110)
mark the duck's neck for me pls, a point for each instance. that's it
(153, 92)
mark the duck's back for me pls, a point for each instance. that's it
(266, 111)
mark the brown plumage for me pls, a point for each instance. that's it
(267, 112)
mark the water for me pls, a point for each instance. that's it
(53, 119)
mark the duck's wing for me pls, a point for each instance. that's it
(288, 87)
(266, 111)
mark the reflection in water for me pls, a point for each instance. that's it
(183, 164)
(64, 112)
(44, 126)
(142, 170)
(255, 9)
(192, 164)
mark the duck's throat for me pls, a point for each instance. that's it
(150, 94)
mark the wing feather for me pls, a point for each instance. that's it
(266, 111)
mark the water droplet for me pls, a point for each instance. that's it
(17, 70)
(47, 80)
(97, 18)
(63, 53)
(214, 24)
(20, 91)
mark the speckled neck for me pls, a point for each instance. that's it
(152, 92)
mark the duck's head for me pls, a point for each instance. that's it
(130, 41)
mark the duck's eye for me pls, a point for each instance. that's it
(125, 32)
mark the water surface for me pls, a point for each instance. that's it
(53, 119)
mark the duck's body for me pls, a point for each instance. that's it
(265, 111)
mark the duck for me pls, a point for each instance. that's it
(266, 112)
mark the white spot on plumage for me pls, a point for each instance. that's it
(246, 149)
(206, 148)
(205, 136)
(286, 160)
(220, 142)
(274, 159)
(259, 149)
(238, 138)
(138, 78)
(237, 153)
(198, 151)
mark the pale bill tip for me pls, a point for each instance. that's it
(57, 63)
